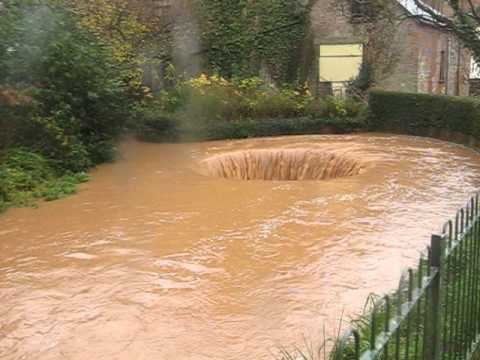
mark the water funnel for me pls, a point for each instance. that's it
(281, 164)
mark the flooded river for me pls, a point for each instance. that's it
(205, 251)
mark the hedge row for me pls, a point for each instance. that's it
(409, 113)
(412, 113)
(165, 129)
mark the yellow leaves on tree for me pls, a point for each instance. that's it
(121, 28)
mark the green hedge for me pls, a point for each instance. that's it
(164, 129)
(412, 113)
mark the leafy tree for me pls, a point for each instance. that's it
(79, 98)
(121, 28)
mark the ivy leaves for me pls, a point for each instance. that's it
(243, 37)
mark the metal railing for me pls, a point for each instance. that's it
(435, 313)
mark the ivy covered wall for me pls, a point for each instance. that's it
(243, 38)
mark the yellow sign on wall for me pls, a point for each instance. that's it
(340, 63)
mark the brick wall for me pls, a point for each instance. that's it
(420, 47)
(330, 25)
(474, 87)
(404, 76)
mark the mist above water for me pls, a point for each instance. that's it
(186, 39)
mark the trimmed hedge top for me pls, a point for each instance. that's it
(411, 112)
(163, 129)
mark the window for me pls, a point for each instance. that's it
(443, 67)
(340, 63)
(474, 69)
(361, 11)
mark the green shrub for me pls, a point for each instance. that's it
(212, 105)
(63, 186)
(80, 99)
(412, 113)
(208, 98)
(48, 136)
(21, 171)
(3, 205)
(152, 123)
(279, 127)
(213, 98)
(279, 103)
(172, 99)
(64, 99)
(332, 107)
(26, 176)
(16, 110)
(216, 108)
(218, 130)
(355, 108)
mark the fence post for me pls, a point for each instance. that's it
(434, 313)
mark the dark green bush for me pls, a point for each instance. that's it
(80, 99)
(217, 130)
(63, 101)
(412, 113)
(61, 187)
(333, 107)
(25, 176)
(22, 171)
(14, 118)
(282, 103)
(152, 123)
(278, 127)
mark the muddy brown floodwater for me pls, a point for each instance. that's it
(187, 251)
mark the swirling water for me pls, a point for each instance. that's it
(156, 259)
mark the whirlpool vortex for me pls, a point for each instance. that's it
(282, 164)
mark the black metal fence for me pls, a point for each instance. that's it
(435, 313)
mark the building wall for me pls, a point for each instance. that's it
(404, 76)
(427, 44)
(330, 25)
(420, 47)
(430, 44)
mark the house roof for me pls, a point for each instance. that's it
(412, 8)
